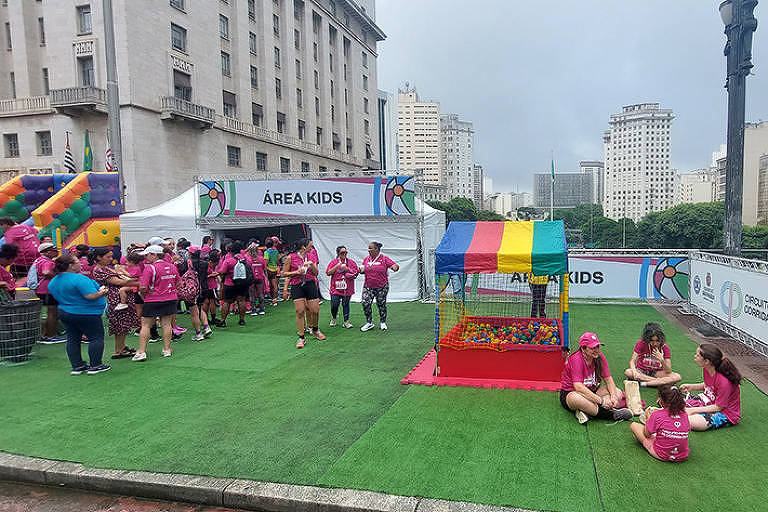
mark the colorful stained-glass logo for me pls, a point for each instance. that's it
(399, 195)
(213, 200)
(671, 278)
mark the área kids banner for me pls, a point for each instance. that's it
(333, 196)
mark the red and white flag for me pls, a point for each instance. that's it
(109, 159)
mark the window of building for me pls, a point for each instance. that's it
(322, 169)
(365, 59)
(346, 19)
(299, 100)
(233, 156)
(332, 36)
(41, 30)
(257, 114)
(366, 127)
(280, 122)
(317, 105)
(319, 136)
(230, 104)
(46, 82)
(298, 10)
(336, 142)
(178, 38)
(333, 113)
(298, 69)
(314, 51)
(254, 77)
(305, 167)
(13, 84)
(276, 25)
(8, 42)
(332, 7)
(302, 129)
(252, 9)
(285, 165)
(332, 90)
(330, 61)
(44, 146)
(365, 83)
(261, 161)
(365, 105)
(182, 86)
(297, 39)
(11, 145)
(87, 75)
(84, 25)
(349, 146)
(277, 57)
(179, 4)
(225, 67)
(316, 22)
(278, 88)
(223, 26)
(317, 80)
(252, 42)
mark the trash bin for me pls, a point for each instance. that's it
(19, 329)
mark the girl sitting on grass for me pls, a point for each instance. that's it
(650, 363)
(720, 403)
(665, 433)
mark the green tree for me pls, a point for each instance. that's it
(489, 215)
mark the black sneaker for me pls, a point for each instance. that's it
(93, 370)
(622, 414)
(79, 370)
(175, 336)
(221, 324)
(241, 322)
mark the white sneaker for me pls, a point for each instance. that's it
(121, 307)
(308, 329)
(333, 322)
(383, 326)
(254, 313)
(167, 353)
(198, 337)
(208, 331)
(367, 327)
(348, 325)
(581, 417)
(139, 356)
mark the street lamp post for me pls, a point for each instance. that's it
(740, 23)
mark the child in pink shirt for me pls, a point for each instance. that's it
(651, 363)
(720, 403)
(665, 434)
(133, 270)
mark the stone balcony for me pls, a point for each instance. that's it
(25, 106)
(76, 101)
(172, 108)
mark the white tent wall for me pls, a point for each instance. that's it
(174, 218)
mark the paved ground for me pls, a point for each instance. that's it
(31, 498)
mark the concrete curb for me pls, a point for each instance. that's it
(226, 492)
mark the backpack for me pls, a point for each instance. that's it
(242, 274)
(189, 286)
(32, 280)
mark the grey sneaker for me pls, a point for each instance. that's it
(622, 414)
(93, 370)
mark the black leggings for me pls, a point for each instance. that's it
(380, 294)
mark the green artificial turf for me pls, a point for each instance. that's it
(248, 404)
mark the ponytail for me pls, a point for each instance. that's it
(672, 398)
(722, 364)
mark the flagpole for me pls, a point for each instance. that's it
(113, 97)
(552, 195)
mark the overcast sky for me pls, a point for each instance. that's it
(542, 76)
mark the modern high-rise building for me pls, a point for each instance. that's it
(224, 87)
(571, 189)
(699, 186)
(418, 136)
(597, 169)
(762, 192)
(478, 185)
(458, 157)
(387, 130)
(755, 147)
(638, 178)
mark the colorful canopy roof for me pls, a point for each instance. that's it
(504, 247)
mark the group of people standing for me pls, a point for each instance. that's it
(588, 389)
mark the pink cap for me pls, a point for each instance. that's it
(589, 340)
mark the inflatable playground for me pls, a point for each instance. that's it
(72, 209)
(493, 326)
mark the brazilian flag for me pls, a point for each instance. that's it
(87, 154)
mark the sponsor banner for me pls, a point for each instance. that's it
(617, 277)
(343, 196)
(737, 296)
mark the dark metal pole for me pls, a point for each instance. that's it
(113, 97)
(738, 51)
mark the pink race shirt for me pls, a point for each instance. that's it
(296, 263)
(671, 441)
(227, 268)
(8, 279)
(257, 266)
(577, 370)
(25, 238)
(213, 282)
(135, 271)
(645, 361)
(43, 265)
(376, 270)
(343, 283)
(725, 394)
(160, 280)
(85, 268)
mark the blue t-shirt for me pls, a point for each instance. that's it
(69, 290)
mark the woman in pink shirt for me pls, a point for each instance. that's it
(301, 275)
(23, 237)
(8, 254)
(665, 433)
(158, 285)
(233, 292)
(651, 362)
(343, 272)
(44, 267)
(581, 388)
(719, 405)
(376, 286)
(256, 291)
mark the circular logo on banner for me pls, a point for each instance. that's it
(399, 195)
(697, 285)
(212, 198)
(731, 299)
(671, 278)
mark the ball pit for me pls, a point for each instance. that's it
(523, 332)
